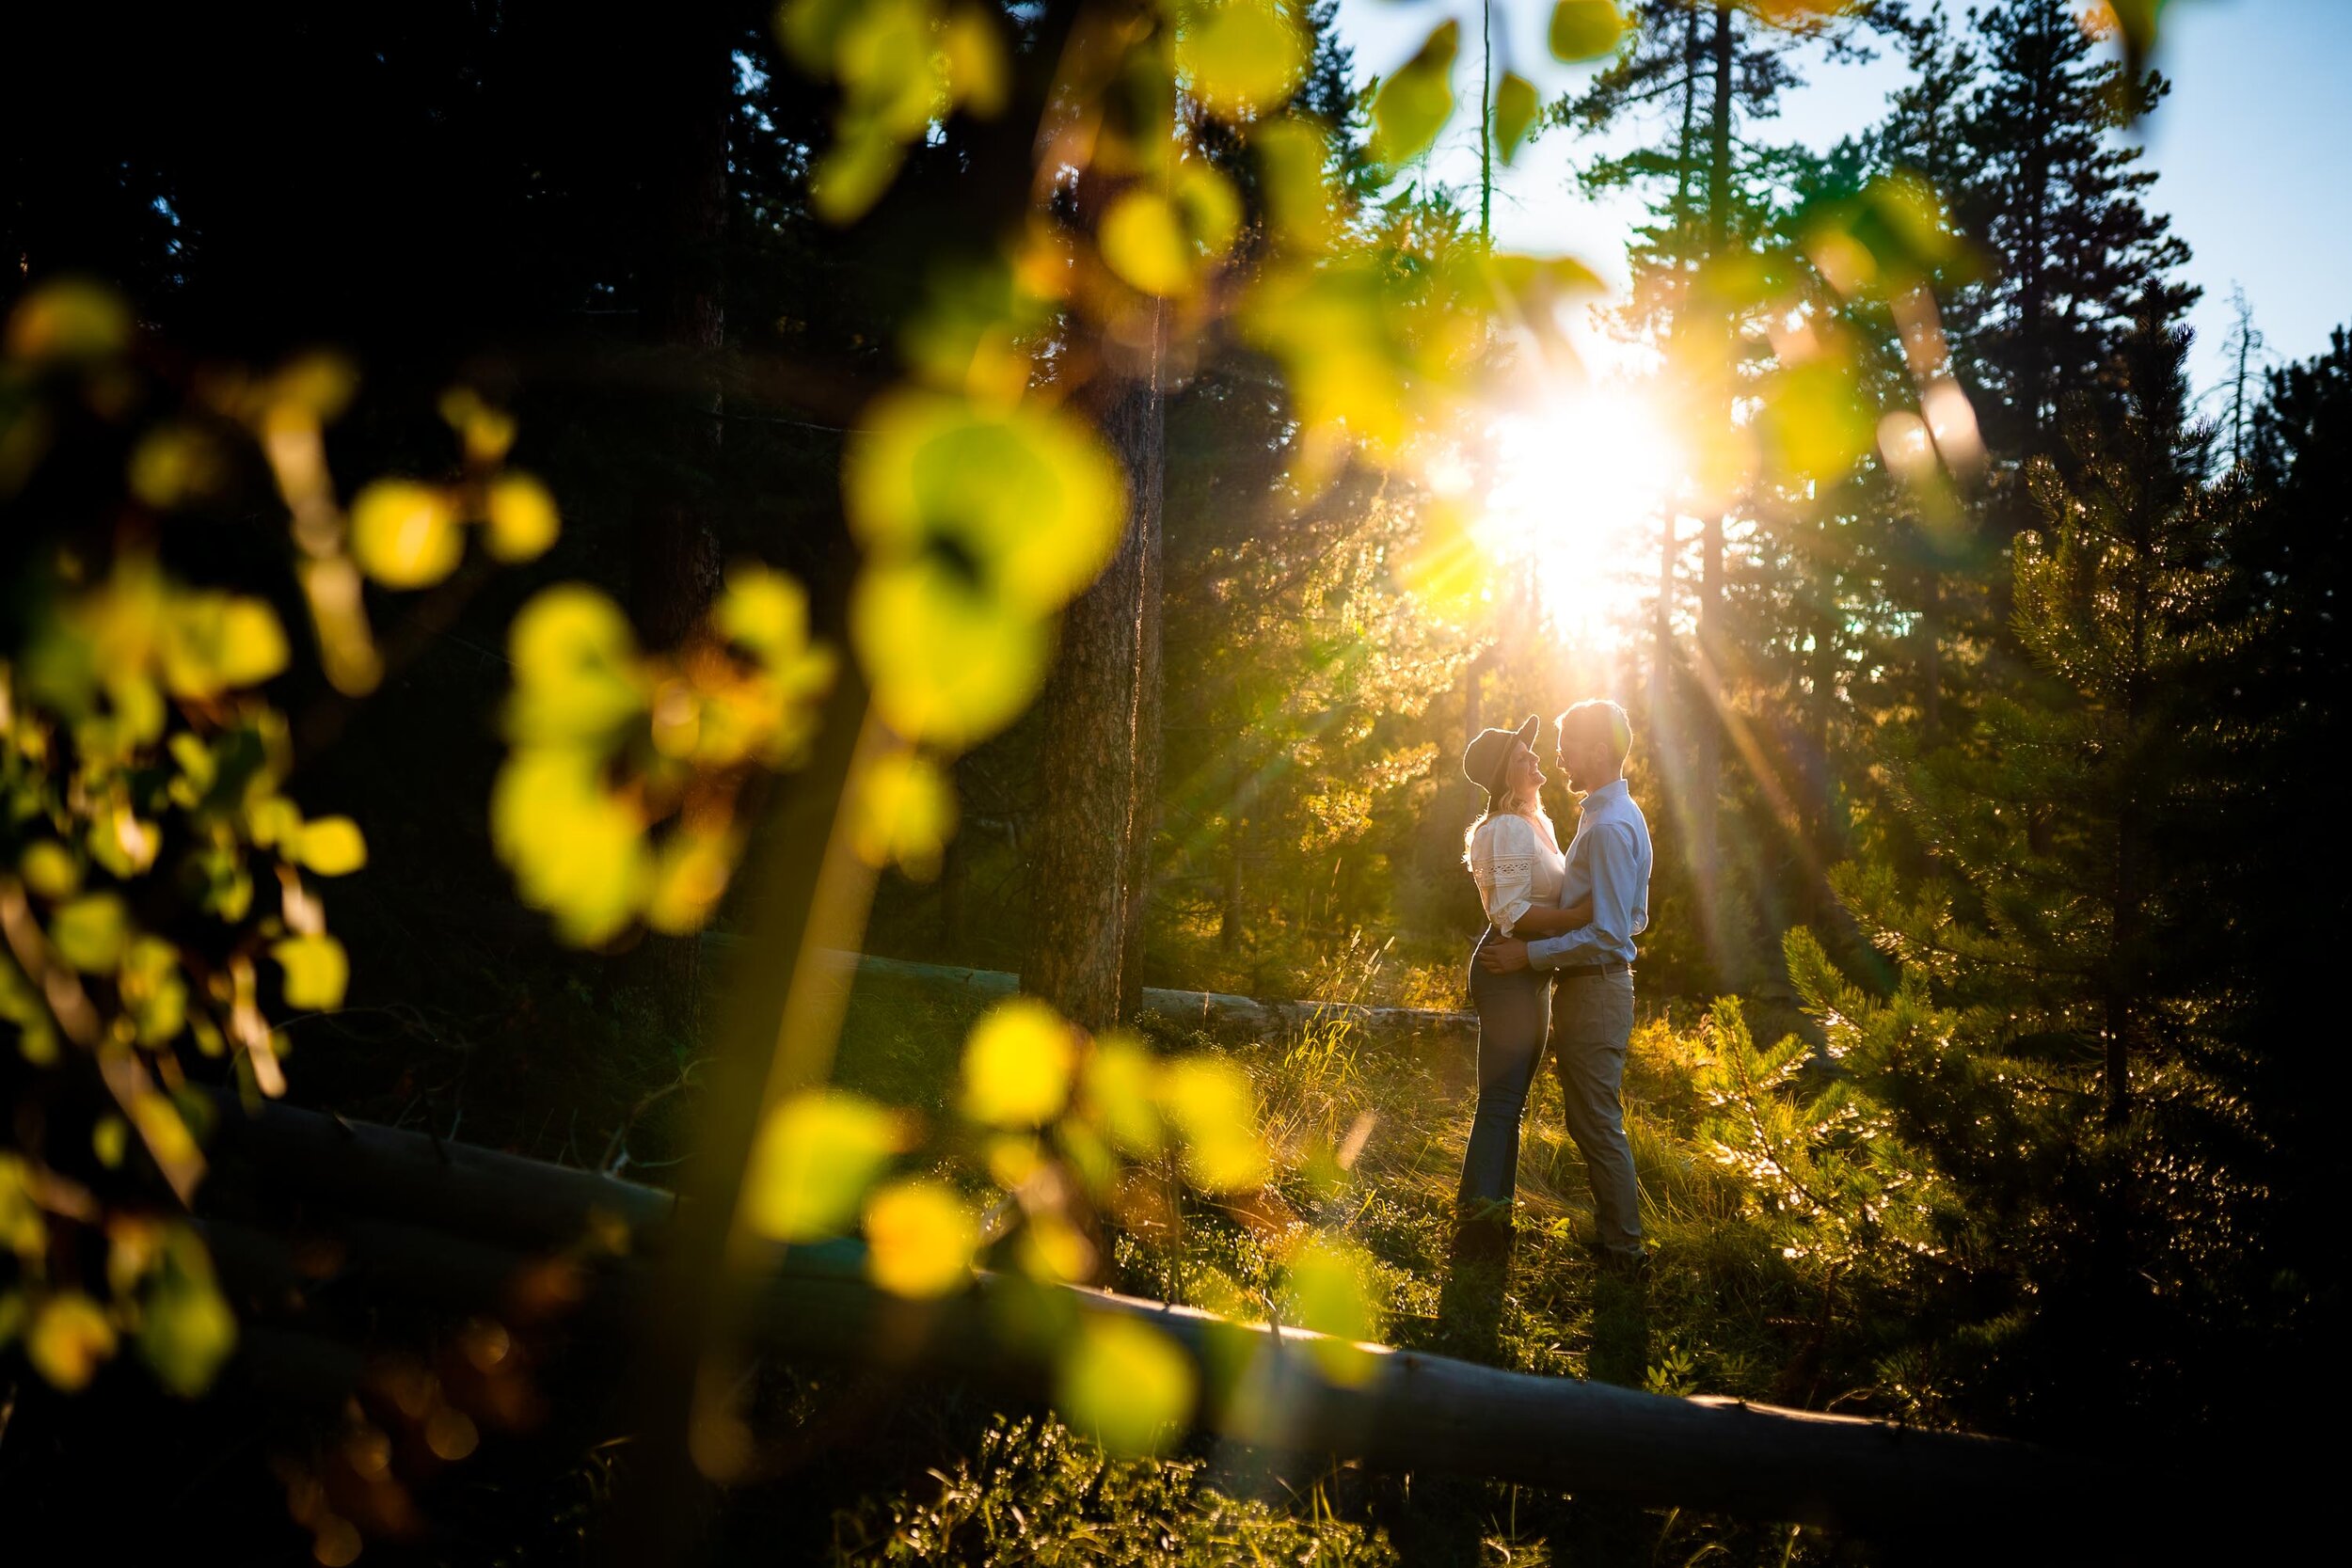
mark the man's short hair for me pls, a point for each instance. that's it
(1603, 717)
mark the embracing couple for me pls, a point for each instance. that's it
(1555, 968)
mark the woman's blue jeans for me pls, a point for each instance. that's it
(1514, 1022)
(1595, 1020)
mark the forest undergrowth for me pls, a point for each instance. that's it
(1729, 1308)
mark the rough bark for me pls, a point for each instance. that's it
(1089, 795)
(1144, 810)
(1706, 721)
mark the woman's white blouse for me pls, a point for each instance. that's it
(1514, 868)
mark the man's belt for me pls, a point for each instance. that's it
(1614, 966)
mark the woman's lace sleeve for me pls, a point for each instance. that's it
(1502, 859)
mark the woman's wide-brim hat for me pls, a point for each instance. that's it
(1484, 758)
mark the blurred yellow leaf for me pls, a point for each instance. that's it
(1328, 1288)
(186, 1327)
(575, 674)
(1294, 158)
(23, 1230)
(317, 971)
(522, 517)
(763, 610)
(1240, 58)
(1814, 425)
(331, 846)
(920, 1237)
(1585, 29)
(1125, 1384)
(691, 874)
(165, 1131)
(109, 1140)
(577, 852)
(1023, 503)
(1209, 205)
(90, 933)
(1143, 240)
(50, 869)
(404, 535)
(1413, 105)
(948, 663)
(69, 1336)
(67, 319)
(1118, 1084)
(977, 70)
(1017, 1064)
(852, 174)
(154, 993)
(904, 814)
(816, 1156)
(1215, 1110)
(213, 643)
(487, 432)
(173, 463)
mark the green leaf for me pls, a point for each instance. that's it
(1328, 1284)
(1023, 503)
(186, 1329)
(90, 933)
(1125, 1384)
(153, 992)
(1586, 29)
(1516, 107)
(1414, 104)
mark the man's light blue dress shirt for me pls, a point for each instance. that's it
(1610, 859)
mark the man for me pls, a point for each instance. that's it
(1592, 1010)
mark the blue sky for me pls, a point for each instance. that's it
(2246, 147)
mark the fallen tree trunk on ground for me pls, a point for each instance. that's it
(1223, 1008)
(455, 1227)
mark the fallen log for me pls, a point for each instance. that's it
(448, 1224)
(1257, 1015)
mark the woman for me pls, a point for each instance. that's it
(1515, 856)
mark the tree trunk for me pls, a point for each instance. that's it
(1229, 915)
(1088, 770)
(1706, 726)
(1147, 471)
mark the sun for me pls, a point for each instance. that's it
(1580, 480)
